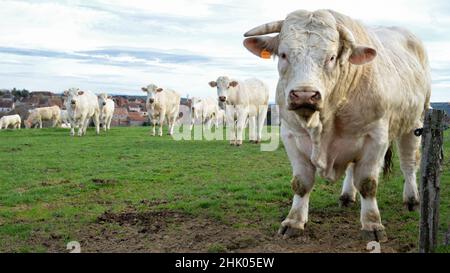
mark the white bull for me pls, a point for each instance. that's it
(162, 103)
(13, 120)
(345, 91)
(82, 106)
(242, 100)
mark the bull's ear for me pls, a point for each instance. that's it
(66, 93)
(362, 55)
(262, 46)
(212, 84)
(234, 83)
(80, 93)
(109, 97)
(144, 89)
(159, 89)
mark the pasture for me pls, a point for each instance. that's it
(128, 192)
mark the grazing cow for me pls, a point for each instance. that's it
(162, 103)
(206, 110)
(242, 99)
(345, 92)
(38, 115)
(14, 120)
(82, 106)
(106, 105)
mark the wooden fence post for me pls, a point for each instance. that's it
(430, 167)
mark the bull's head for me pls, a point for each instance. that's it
(102, 98)
(223, 84)
(72, 97)
(151, 91)
(312, 49)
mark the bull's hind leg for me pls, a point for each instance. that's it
(408, 146)
(348, 195)
(365, 179)
(261, 121)
(302, 184)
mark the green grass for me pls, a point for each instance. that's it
(46, 183)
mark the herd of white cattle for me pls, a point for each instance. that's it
(239, 103)
(346, 91)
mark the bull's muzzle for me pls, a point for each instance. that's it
(222, 98)
(305, 100)
(104, 103)
(151, 100)
(73, 102)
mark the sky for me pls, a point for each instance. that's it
(118, 46)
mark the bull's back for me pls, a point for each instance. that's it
(405, 76)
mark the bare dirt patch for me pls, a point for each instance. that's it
(172, 231)
(99, 181)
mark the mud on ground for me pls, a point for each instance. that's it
(172, 231)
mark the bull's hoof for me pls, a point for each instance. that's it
(374, 235)
(290, 232)
(252, 141)
(412, 204)
(346, 201)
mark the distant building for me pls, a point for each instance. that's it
(6, 106)
(136, 119)
(120, 117)
(134, 107)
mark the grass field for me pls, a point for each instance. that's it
(127, 191)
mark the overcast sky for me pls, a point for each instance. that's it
(118, 46)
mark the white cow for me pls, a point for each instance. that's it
(206, 110)
(106, 105)
(345, 91)
(162, 103)
(82, 106)
(242, 99)
(38, 115)
(13, 120)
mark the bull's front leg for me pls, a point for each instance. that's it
(161, 123)
(302, 183)
(240, 125)
(365, 178)
(231, 126)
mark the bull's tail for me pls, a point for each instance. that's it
(388, 162)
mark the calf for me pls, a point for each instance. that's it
(106, 105)
(14, 120)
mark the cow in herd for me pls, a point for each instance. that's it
(106, 105)
(13, 121)
(38, 115)
(242, 100)
(206, 110)
(345, 92)
(162, 103)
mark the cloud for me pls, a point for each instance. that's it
(118, 46)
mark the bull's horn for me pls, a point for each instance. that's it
(272, 27)
(346, 35)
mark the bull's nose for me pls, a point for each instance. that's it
(302, 96)
(104, 103)
(72, 102)
(222, 98)
(151, 100)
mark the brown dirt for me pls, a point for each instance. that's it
(172, 231)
